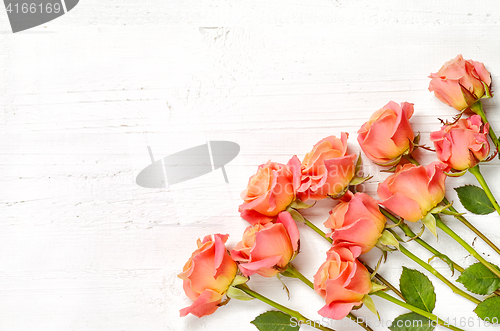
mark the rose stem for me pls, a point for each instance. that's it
(295, 273)
(384, 281)
(406, 229)
(465, 245)
(300, 318)
(394, 300)
(478, 109)
(460, 217)
(317, 230)
(377, 276)
(470, 226)
(408, 232)
(433, 271)
(475, 171)
(419, 311)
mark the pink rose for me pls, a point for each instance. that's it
(388, 134)
(207, 275)
(327, 170)
(267, 249)
(269, 192)
(463, 144)
(342, 281)
(413, 190)
(461, 83)
(356, 220)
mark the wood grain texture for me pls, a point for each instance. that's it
(82, 247)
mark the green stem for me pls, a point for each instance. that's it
(471, 227)
(300, 318)
(478, 109)
(433, 271)
(316, 229)
(465, 245)
(293, 272)
(384, 281)
(475, 171)
(408, 232)
(419, 311)
(410, 159)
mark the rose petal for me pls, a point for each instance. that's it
(263, 267)
(206, 304)
(337, 310)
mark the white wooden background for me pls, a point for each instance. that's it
(82, 247)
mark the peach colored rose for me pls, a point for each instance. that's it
(388, 134)
(267, 249)
(327, 170)
(463, 144)
(207, 275)
(342, 281)
(268, 192)
(356, 220)
(413, 190)
(461, 83)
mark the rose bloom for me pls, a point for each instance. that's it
(267, 249)
(327, 170)
(461, 83)
(463, 144)
(268, 192)
(342, 281)
(388, 134)
(413, 190)
(356, 220)
(207, 275)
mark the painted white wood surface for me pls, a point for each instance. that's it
(82, 247)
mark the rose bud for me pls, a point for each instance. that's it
(461, 83)
(267, 249)
(356, 220)
(388, 134)
(342, 281)
(268, 193)
(413, 190)
(327, 170)
(463, 144)
(207, 275)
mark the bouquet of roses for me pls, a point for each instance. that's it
(277, 193)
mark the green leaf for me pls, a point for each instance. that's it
(299, 204)
(297, 217)
(377, 287)
(238, 280)
(440, 209)
(236, 293)
(276, 321)
(388, 239)
(479, 279)
(416, 140)
(489, 310)
(368, 302)
(446, 259)
(474, 199)
(359, 180)
(359, 162)
(456, 174)
(412, 322)
(430, 223)
(417, 289)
